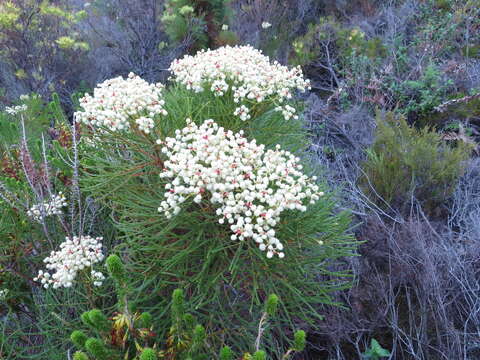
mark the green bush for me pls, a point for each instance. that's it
(124, 335)
(342, 42)
(406, 162)
(418, 98)
(375, 351)
(192, 251)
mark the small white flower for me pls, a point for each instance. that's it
(97, 278)
(52, 207)
(145, 124)
(224, 27)
(266, 25)
(16, 109)
(242, 112)
(3, 294)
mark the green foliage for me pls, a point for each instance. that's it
(226, 353)
(9, 14)
(23, 37)
(342, 42)
(271, 305)
(202, 20)
(259, 355)
(299, 340)
(78, 338)
(25, 243)
(405, 162)
(375, 351)
(420, 97)
(80, 356)
(98, 320)
(96, 348)
(148, 354)
(115, 268)
(178, 309)
(85, 317)
(145, 320)
(124, 335)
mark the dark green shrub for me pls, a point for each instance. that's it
(406, 162)
(342, 43)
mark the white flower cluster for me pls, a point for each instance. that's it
(16, 109)
(3, 294)
(266, 25)
(97, 278)
(252, 186)
(287, 111)
(74, 255)
(242, 69)
(52, 207)
(117, 101)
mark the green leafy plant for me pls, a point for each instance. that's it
(419, 97)
(129, 335)
(35, 142)
(405, 162)
(342, 43)
(375, 351)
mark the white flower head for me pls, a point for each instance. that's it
(16, 109)
(242, 72)
(3, 294)
(97, 278)
(117, 103)
(75, 254)
(52, 207)
(249, 186)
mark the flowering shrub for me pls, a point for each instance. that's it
(242, 72)
(225, 191)
(52, 207)
(116, 102)
(74, 255)
(253, 186)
